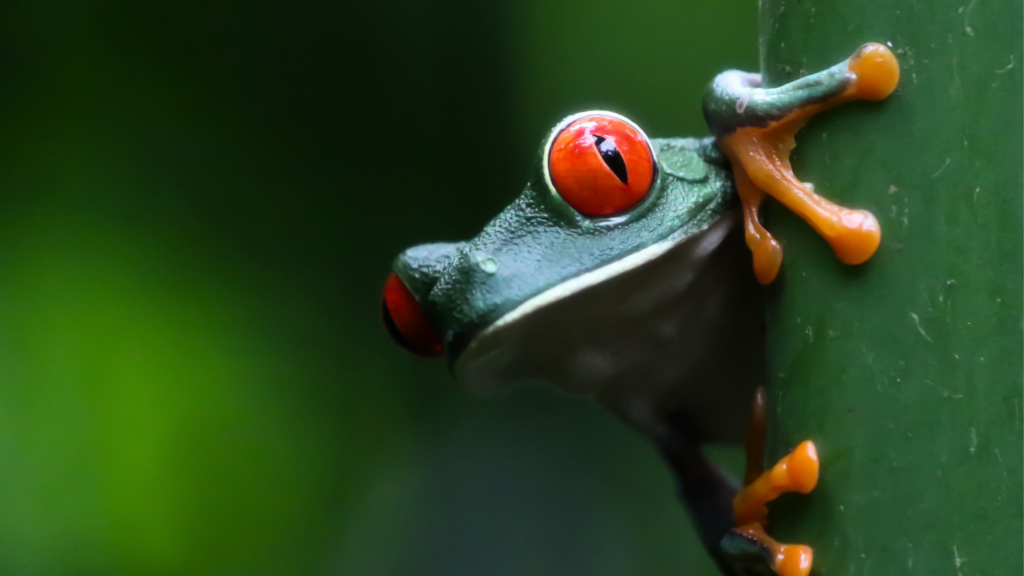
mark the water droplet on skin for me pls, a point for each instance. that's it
(486, 263)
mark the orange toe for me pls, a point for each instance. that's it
(794, 560)
(877, 72)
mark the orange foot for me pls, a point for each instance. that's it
(759, 154)
(748, 545)
(797, 472)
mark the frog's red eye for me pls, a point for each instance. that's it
(405, 321)
(601, 165)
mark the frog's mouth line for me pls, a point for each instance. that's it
(707, 240)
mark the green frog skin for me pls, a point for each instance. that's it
(623, 273)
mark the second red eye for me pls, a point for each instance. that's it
(405, 321)
(601, 165)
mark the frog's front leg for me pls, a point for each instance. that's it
(755, 128)
(797, 472)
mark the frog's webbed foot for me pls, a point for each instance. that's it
(755, 128)
(797, 472)
(748, 545)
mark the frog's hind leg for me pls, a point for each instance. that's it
(755, 128)
(705, 490)
(797, 472)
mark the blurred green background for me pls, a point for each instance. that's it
(199, 203)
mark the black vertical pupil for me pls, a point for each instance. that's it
(612, 158)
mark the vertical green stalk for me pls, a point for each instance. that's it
(906, 371)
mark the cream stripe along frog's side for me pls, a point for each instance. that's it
(621, 273)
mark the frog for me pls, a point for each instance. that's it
(631, 270)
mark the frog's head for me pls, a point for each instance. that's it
(603, 199)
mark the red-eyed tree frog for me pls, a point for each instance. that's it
(623, 272)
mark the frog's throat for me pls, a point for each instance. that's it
(760, 161)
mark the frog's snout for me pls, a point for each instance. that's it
(416, 271)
